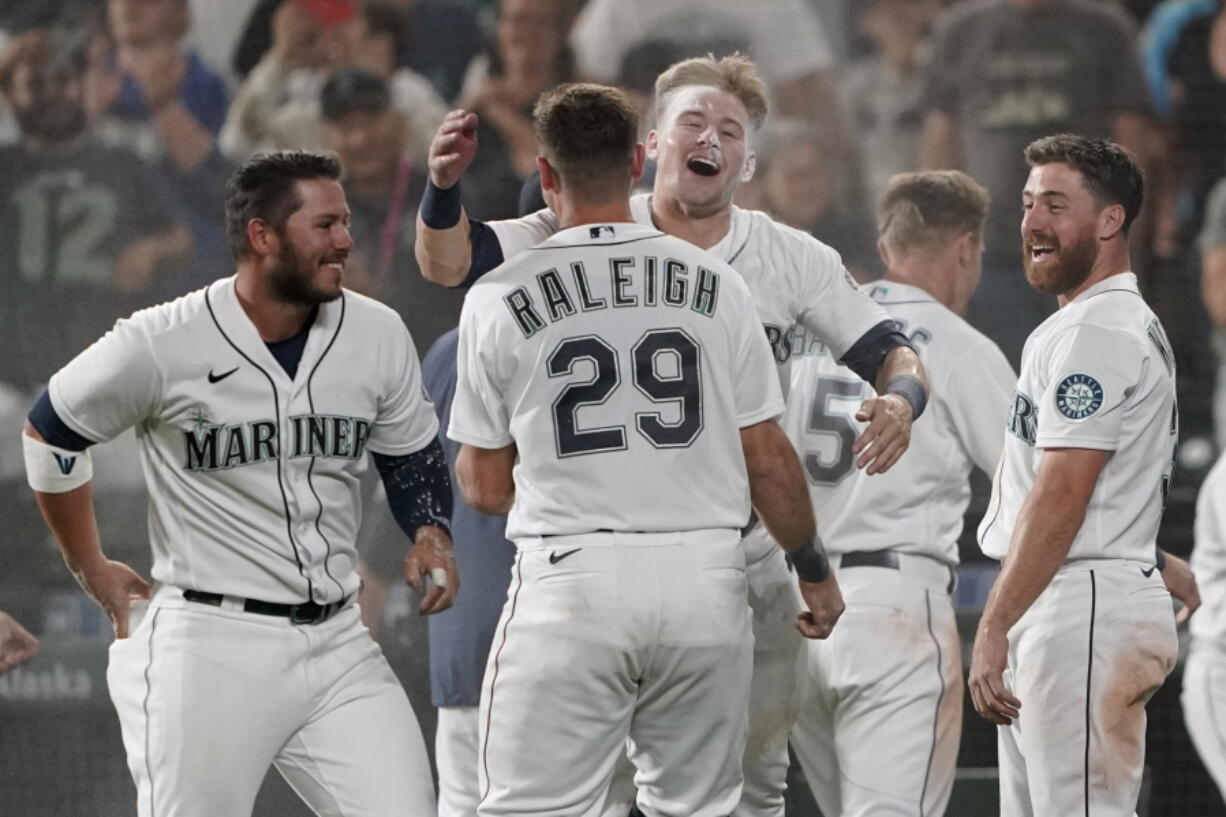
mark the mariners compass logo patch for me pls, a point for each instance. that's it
(1078, 396)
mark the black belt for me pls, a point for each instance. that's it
(887, 559)
(306, 613)
(869, 558)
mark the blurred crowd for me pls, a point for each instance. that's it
(121, 119)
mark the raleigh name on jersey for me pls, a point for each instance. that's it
(253, 477)
(622, 363)
(917, 506)
(795, 279)
(1098, 374)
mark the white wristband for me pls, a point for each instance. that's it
(53, 470)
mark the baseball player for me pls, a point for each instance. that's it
(1202, 671)
(881, 699)
(1078, 630)
(615, 394)
(708, 112)
(256, 401)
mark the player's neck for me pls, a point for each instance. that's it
(701, 230)
(273, 318)
(577, 213)
(1112, 260)
(927, 272)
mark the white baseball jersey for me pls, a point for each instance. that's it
(252, 476)
(1098, 374)
(917, 506)
(1208, 626)
(622, 363)
(796, 281)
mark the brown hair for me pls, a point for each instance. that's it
(588, 133)
(928, 209)
(735, 75)
(1109, 171)
(265, 187)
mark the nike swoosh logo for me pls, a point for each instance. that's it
(1150, 572)
(217, 378)
(556, 557)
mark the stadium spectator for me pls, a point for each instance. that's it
(1003, 73)
(526, 55)
(1213, 290)
(784, 38)
(277, 107)
(161, 99)
(384, 188)
(86, 234)
(796, 182)
(443, 38)
(885, 89)
(16, 644)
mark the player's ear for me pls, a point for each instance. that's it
(1110, 221)
(549, 177)
(968, 243)
(751, 164)
(884, 251)
(260, 237)
(640, 158)
(653, 144)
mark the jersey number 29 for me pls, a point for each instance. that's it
(681, 384)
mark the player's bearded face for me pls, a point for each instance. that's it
(295, 277)
(701, 149)
(1056, 268)
(1059, 229)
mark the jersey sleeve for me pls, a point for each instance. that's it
(1092, 372)
(832, 307)
(479, 414)
(977, 394)
(405, 422)
(518, 234)
(759, 396)
(111, 386)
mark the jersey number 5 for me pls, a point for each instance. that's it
(681, 385)
(837, 425)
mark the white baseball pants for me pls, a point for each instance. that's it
(881, 699)
(1083, 661)
(612, 643)
(208, 698)
(1204, 709)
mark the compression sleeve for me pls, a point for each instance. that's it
(486, 251)
(418, 487)
(868, 353)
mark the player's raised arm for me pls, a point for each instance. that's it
(442, 246)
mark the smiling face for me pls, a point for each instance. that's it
(1060, 224)
(312, 247)
(702, 149)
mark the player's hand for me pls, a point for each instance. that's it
(888, 433)
(114, 586)
(16, 644)
(987, 678)
(1180, 582)
(453, 148)
(432, 555)
(825, 602)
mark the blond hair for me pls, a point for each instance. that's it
(735, 75)
(928, 209)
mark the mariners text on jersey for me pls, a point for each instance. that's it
(665, 282)
(212, 447)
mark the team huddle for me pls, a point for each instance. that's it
(734, 479)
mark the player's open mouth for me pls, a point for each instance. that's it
(1039, 252)
(703, 167)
